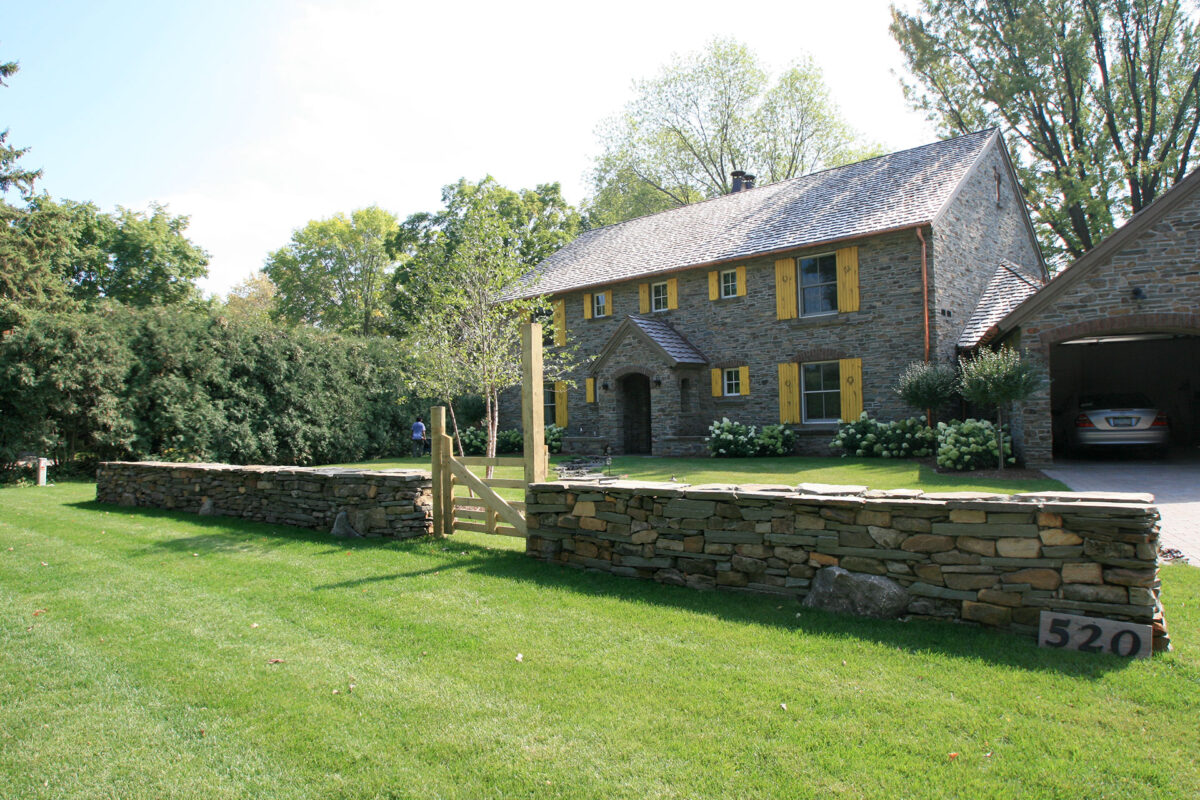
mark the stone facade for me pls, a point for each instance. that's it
(377, 503)
(991, 559)
(1161, 262)
(963, 247)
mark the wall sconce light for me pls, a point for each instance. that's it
(604, 386)
(658, 381)
(1139, 293)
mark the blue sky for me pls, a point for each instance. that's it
(254, 117)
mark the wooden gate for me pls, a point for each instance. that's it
(478, 507)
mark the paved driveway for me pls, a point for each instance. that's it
(1175, 484)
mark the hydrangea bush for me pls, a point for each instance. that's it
(870, 438)
(474, 440)
(775, 440)
(728, 439)
(970, 444)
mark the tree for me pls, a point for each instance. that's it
(533, 223)
(334, 272)
(12, 175)
(713, 113)
(252, 298)
(927, 386)
(997, 377)
(1100, 95)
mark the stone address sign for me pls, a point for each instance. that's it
(1094, 635)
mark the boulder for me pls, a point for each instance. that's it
(342, 528)
(835, 589)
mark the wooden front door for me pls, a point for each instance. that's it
(635, 396)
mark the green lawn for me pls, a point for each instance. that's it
(874, 473)
(136, 650)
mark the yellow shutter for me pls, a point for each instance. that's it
(591, 390)
(717, 388)
(785, 288)
(560, 404)
(789, 393)
(560, 322)
(847, 279)
(744, 379)
(852, 398)
(587, 306)
(714, 285)
(643, 298)
(608, 306)
(741, 275)
(672, 293)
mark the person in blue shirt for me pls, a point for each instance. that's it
(418, 438)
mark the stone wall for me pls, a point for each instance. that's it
(377, 503)
(991, 559)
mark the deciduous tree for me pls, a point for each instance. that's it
(1100, 97)
(705, 116)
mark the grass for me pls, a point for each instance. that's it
(874, 473)
(136, 650)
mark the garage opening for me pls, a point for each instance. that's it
(1162, 367)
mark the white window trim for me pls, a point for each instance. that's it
(804, 393)
(599, 305)
(721, 282)
(800, 286)
(666, 297)
(731, 377)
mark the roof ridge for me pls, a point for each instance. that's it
(795, 178)
(1014, 268)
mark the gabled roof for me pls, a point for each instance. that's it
(893, 192)
(659, 335)
(1008, 288)
(1090, 260)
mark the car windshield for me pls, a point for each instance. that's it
(1115, 400)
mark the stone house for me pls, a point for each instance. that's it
(1125, 317)
(798, 302)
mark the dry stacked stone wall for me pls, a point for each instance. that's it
(997, 560)
(376, 502)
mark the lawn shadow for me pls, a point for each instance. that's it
(236, 534)
(918, 636)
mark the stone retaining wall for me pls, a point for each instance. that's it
(377, 503)
(997, 560)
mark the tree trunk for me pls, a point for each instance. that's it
(454, 421)
(999, 437)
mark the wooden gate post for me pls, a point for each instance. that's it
(443, 492)
(532, 409)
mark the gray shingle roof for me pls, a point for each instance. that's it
(894, 191)
(669, 339)
(1008, 288)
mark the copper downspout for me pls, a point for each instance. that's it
(924, 292)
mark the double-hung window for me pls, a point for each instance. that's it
(820, 390)
(660, 299)
(549, 401)
(818, 285)
(600, 304)
(732, 383)
(729, 283)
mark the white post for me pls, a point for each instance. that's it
(41, 471)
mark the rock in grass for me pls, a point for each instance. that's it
(836, 589)
(342, 529)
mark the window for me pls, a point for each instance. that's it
(685, 395)
(659, 297)
(820, 388)
(732, 382)
(729, 283)
(818, 285)
(548, 402)
(600, 304)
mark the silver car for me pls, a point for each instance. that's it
(1120, 419)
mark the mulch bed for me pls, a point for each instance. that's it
(1010, 473)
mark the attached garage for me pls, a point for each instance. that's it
(1123, 319)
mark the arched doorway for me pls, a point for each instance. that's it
(635, 413)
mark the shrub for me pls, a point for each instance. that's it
(775, 440)
(970, 444)
(923, 385)
(870, 438)
(554, 437)
(474, 440)
(727, 439)
(509, 442)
